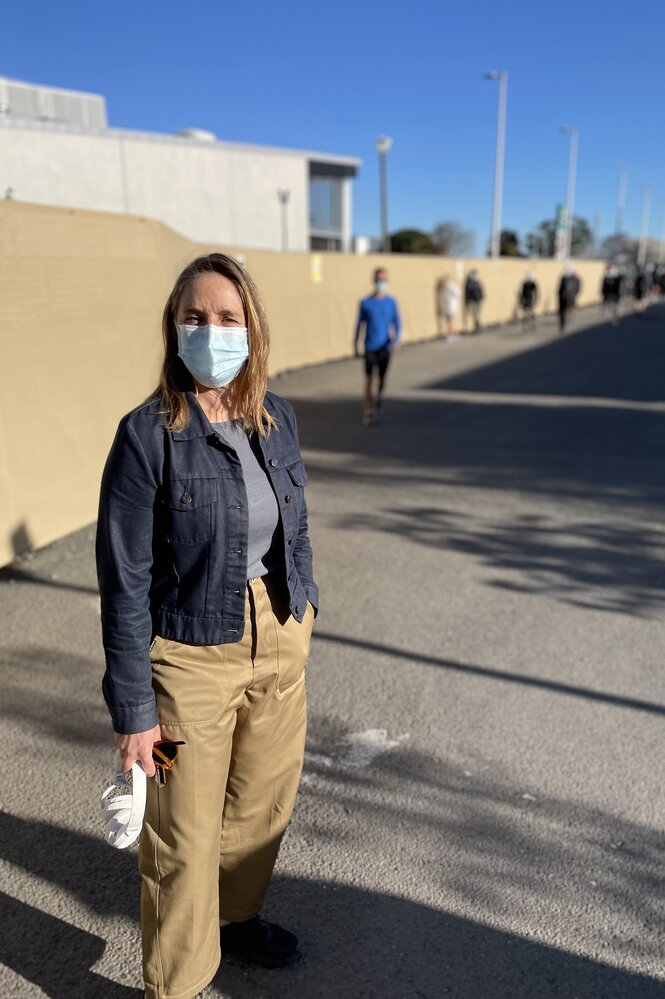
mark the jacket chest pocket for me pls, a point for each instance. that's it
(289, 482)
(191, 510)
(297, 474)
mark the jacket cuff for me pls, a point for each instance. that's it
(133, 718)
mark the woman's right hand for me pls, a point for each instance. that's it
(137, 748)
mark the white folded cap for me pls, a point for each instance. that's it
(123, 806)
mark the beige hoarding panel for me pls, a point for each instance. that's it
(81, 297)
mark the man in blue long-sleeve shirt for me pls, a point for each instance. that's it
(379, 317)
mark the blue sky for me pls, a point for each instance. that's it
(332, 77)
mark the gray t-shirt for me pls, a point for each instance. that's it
(261, 501)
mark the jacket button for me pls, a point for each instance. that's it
(290, 541)
(288, 498)
(185, 498)
(297, 610)
(273, 463)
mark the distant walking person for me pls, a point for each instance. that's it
(473, 298)
(640, 290)
(447, 305)
(611, 292)
(569, 288)
(378, 319)
(528, 299)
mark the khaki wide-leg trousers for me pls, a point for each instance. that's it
(211, 835)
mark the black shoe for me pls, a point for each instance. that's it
(260, 942)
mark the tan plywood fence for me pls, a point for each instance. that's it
(81, 296)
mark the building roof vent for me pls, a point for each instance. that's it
(198, 134)
(35, 103)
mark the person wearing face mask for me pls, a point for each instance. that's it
(378, 318)
(208, 600)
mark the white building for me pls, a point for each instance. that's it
(57, 149)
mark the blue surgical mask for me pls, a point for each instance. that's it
(213, 354)
(381, 286)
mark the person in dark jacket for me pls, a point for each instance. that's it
(611, 290)
(641, 288)
(208, 600)
(473, 299)
(528, 298)
(569, 289)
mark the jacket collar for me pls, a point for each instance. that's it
(199, 425)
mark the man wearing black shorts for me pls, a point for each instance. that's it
(379, 318)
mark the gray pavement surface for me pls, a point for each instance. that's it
(481, 815)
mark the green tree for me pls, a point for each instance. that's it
(581, 240)
(541, 242)
(509, 244)
(411, 241)
(452, 240)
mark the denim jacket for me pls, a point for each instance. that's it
(172, 543)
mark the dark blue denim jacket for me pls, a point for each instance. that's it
(172, 543)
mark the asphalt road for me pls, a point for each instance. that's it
(481, 815)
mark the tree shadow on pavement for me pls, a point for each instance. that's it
(54, 955)
(477, 845)
(358, 943)
(56, 693)
(106, 881)
(15, 574)
(388, 652)
(498, 841)
(613, 567)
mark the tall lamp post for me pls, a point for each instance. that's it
(570, 188)
(644, 234)
(383, 147)
(661, 248)
(495, 238)
(283, 197)
(621, 198)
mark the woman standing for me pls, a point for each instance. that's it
(208, 601)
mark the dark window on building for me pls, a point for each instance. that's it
(325, 204)
(325, 243)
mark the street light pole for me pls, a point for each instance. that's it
(570, 186)
(597, 219)
(644, 234)
(495, 238)
(661, 248)
(621, 198)
(383, 146)
(283, 197)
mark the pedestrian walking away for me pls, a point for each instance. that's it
(208, 601)
(528, 299)
(379, 322)
(569, 287)
(641, 287)
(611, 290)
(473, 299)
(447, 305)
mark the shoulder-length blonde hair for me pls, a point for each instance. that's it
(249, 387)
